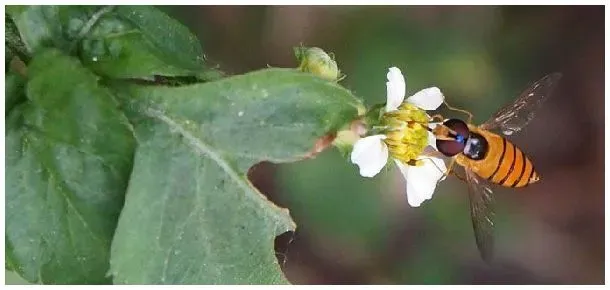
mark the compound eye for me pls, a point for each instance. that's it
(449, 147)
(458, 126)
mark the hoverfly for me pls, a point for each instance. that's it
(488, 157)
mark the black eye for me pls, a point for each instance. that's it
(459, 126)
(476, 147)
(451, 148)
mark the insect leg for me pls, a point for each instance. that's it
(462, 178)
(431, 153)
(460, 110)
(437, 116)
(449, 169)
(439, 169)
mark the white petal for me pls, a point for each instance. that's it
(427, 99)
(396, 89)
(370, 154)
(421, 180)
(432, 140)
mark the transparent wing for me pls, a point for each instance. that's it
(512, 118)
(482, 214)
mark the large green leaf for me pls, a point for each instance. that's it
(191, 216)
(118, 42)
(69, 151)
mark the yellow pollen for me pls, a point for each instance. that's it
(406, 134)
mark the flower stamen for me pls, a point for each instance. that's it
(406, 132)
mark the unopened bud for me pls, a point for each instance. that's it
(316, 61)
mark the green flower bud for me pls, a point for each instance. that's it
(316, 61)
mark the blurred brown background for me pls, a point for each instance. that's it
(353, 230)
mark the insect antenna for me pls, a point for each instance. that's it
(470, 116)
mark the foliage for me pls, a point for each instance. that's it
(127, 153)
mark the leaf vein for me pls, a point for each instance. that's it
(207, 150)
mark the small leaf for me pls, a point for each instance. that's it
(125, 55)
(191, 216)
(140, 42)
(68, 157)
(33, 24)
(173, 42)
(50, 26)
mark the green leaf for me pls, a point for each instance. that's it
(9, 53)
(12, 43)
(11, 278)
(68, 153)
(13, 91)
(32, 24)
(142, 41)
(117, 42)
(124, 55)
(9, 263)
(191, 216)
(173, 42)
(48, 26)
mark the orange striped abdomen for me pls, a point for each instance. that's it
(504, 163)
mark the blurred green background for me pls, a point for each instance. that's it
(353, 230)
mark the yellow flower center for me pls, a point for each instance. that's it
(406, 135)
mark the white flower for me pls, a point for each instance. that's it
(371, 153)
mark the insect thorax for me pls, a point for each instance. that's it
(476, 147)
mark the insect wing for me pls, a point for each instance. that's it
(482, 214)
(514, 117)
